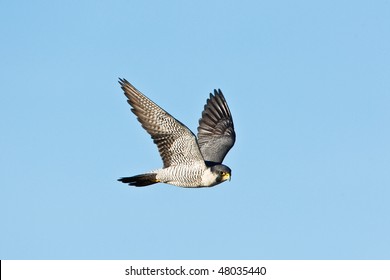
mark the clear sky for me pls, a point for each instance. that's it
(308, 86)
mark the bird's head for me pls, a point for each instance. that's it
(222, 172)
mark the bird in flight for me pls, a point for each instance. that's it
(188, 161)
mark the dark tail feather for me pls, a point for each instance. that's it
(140, 180)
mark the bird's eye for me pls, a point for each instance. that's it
(222, 173)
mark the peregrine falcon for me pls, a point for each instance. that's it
(187, 161)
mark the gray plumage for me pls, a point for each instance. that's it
(185, 163)
(216, 134)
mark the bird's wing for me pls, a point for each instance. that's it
(176, 143)
(216, 134)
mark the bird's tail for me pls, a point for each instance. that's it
(141, 180)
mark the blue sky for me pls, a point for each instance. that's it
(308, 86)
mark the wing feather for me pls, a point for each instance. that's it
(216, 135)
(176, 143)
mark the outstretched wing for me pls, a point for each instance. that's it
(216, 134)
(175, 142)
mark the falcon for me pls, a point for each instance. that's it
(188, 161)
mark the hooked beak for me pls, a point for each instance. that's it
(226, 177)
